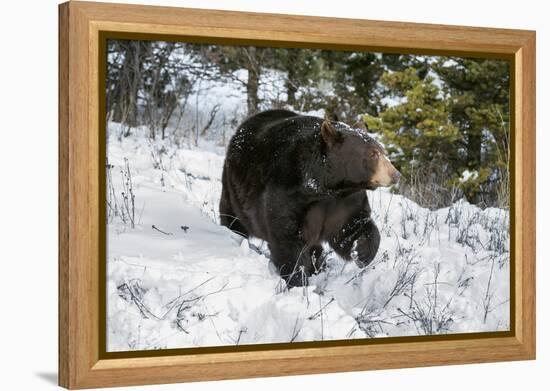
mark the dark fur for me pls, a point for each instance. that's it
(343, 223)
(286, 173)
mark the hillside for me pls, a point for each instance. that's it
(179, 279)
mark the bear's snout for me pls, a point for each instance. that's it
(385, 173)
(395, 177)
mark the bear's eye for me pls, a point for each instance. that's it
(374, 154)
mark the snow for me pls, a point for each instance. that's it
(393, 100)
(442, 271)
(312, 184)
(467, 175)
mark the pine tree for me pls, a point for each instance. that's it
(419, 136)
(229, 59)
(302, 69)
(354, 77)
(448, 124)
(479, 91)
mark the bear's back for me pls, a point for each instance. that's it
(267, 146)
(265, 119)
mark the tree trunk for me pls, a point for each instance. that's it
(474, 148)
(291, 76)
(125, 108)
(253, 81)
(474, 161)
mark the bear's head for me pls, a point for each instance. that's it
(354, 159)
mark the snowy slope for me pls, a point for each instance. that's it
(189, 282)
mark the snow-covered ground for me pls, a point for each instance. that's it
(178, 279)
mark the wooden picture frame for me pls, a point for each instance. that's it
(83, 26)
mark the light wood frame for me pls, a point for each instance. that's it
(80, 27)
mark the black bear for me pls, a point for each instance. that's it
(296, 181)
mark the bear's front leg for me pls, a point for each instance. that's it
(292, 259)
(358, 239)
(289, 252)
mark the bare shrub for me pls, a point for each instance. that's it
(502, 185)
(372, 323)
(405, 263)
(372, 319)
(428, 314)
(427, 186)
(121, 206)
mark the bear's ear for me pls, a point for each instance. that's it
(329, 133)
(361, 125)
